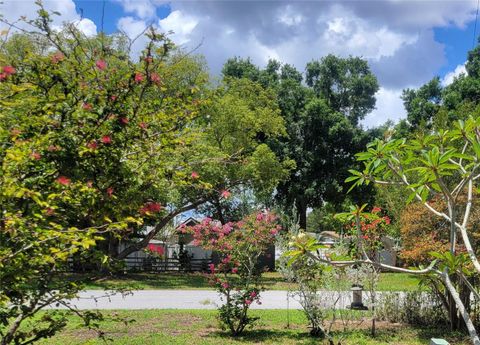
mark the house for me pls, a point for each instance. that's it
(174, 251)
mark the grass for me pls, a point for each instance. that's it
(200, 327)
(272, 281)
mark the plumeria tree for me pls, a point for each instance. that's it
(237, 276)
(94, 145)
(442, 164)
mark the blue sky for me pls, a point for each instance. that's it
(405, 42)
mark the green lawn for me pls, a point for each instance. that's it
(272, 281)
(200, 327)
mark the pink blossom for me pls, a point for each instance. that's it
(195, 175)
(9, 70)
(227, 228)
(151, 207)
(248, 302)
(87, 106)
(63, 180)
(92, 145)
(225, 285)
(225, 194)
(155, 78)
(109, 191)
(138, 77)
(260, 216)
(113, 98)
(124, 120)
(37, 156)
(101, 64)
(58, 56)
(253, 294)
(106, 139)
(234, 270)
(227, 259)
(143, 125)
(211, 267)
(54, 148)
(3, 76)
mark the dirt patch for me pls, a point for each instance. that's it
(165, 323)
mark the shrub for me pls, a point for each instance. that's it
(237, 276)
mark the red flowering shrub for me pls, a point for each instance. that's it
(373, 227)
(238, 274)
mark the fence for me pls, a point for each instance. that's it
(154, 264)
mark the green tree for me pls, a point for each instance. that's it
(321, 121)
(94, 146)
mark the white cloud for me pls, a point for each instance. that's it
(389, 107)
(86, 26)
(396, 37)
(182, 25)
(450, 76)
(12, 10)
(134, 28)
(142, 8)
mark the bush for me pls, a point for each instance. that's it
(237, 277)
(418, 308)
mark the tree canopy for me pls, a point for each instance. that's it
(321, 113)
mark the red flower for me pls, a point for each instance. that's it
(248, 302)
(234, 270)
(87, 106)
(3, 76)
(387, 220)
(65, 181)
(49, 211)
(36, 155)
(211, 267)
(101, 64)
(106, 139)
(9, 70)
(109, 191)
(253, 294)
(376, 209)
(151, 207)
(195, 175)
(113, 98)
(143, 125)
(138, 77)
(124, 120)
(58, 56)
(225, 194)
(225, 285)
(155, 78)
(54, 148)
(92, 145)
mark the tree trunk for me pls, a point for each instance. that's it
(302, 214)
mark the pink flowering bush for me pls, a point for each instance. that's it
(237, 276)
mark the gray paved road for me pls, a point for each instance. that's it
(190, 299)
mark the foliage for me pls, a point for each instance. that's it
(440, 165)
(414, 308)
(239, 246)
(323, 218)
(83, 128)
(321, 120)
